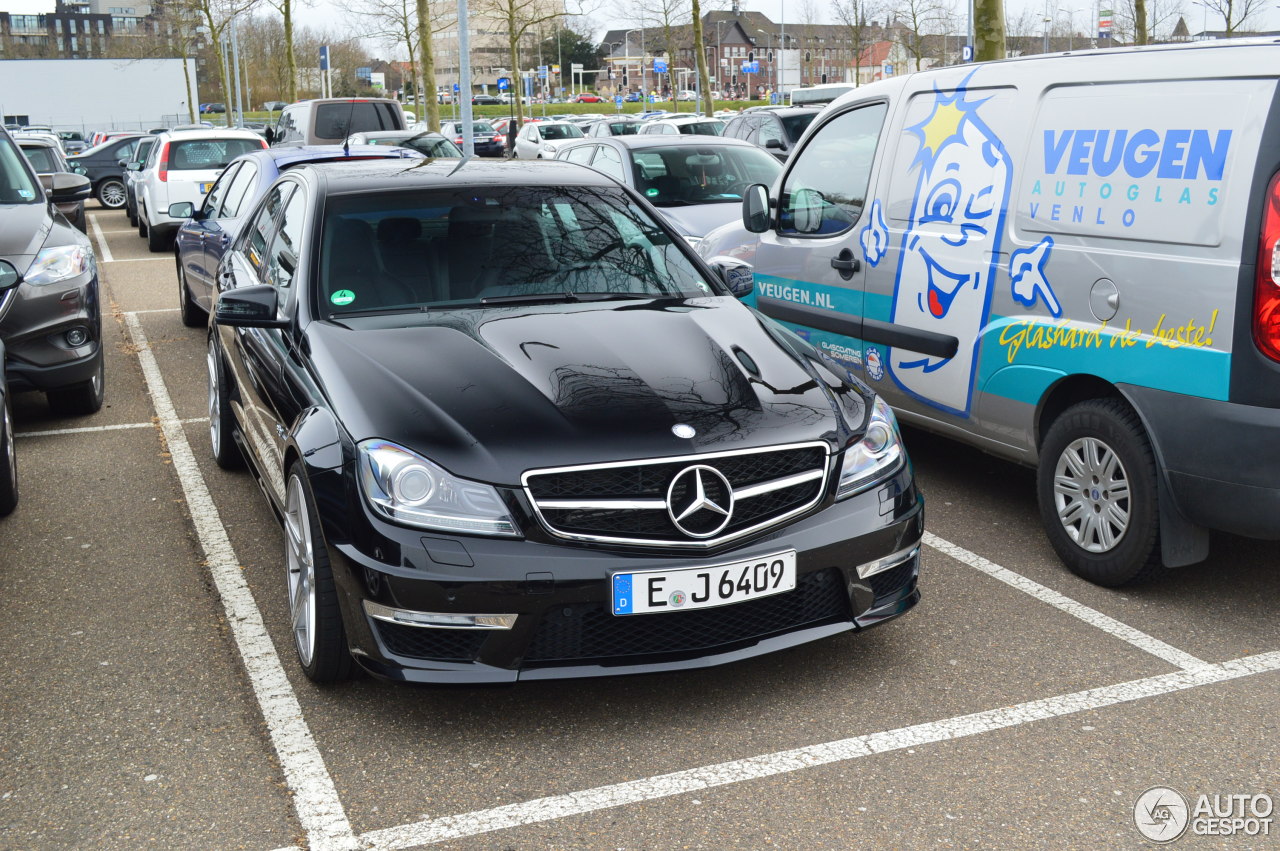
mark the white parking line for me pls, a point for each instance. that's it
(164, 257)
(769, 765)
(156, 309)
(1110, 625)
(103, 250)
(88, 429)
(314, 796)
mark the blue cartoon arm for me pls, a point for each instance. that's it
(1027, 268)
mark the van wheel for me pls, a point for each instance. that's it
(318, 636)
(1097, 490)
(8, 463)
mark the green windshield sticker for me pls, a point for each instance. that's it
(651, 193)
(342, 298)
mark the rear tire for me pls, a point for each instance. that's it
(221, 421)
(80, 399)
(1098, 497)
(314, 615)
(111, 193)
(8, 463)
(157, 241)
(142, 222)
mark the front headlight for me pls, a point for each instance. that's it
(875, 456)
(58, 264)
(549, 148)
(407, 488)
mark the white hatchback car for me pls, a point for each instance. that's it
(182, 165)
(541, 139)
(689, 125)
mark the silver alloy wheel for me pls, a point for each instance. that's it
(112, 194)
(215, 405)
(1091, 494)
(300, 562)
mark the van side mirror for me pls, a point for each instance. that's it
(755, 208)
(737, 274)
(9, 277)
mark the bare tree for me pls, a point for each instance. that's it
(285, 8)
(394, 22)
(855, 16)
(217, 16)
(516, 19)
(917, 18)
(1235, 14)
(672, 20)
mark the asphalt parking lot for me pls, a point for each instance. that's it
(152, 699)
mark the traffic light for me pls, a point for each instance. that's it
(751, 56)
(624, 76)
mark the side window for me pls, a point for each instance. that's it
(258, 234)
(770, 130)
(608, 161)
(217, 191)
(751, 130)
(826, 189)
(238, 190)
(580, 154)
(282, 261)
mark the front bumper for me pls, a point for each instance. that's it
(559, 594)
(34, 321)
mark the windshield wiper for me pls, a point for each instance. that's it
(566, 297)
(377, 311)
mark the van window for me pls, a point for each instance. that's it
(337, 121)
(827, 188)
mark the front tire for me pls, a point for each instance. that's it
(8, 463)
(221, 420)
(80, 399)
(111, 193)
(1096, 485)
(316, 622)
(193, 316)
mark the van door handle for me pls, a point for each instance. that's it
(846, 264)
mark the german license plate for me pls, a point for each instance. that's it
(204, 187)
(687, 588)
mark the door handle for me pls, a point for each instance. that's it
(846, 264)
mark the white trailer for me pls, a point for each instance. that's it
(97, 94)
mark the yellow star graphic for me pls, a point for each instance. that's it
(943, 124)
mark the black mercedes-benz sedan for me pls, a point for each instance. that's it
(516, 429)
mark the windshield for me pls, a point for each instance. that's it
(16, 183)
(455, 247)
(561, 131)
(624, 128)
(197, 154)
(42, 159)
(686, 174)
(702, 128)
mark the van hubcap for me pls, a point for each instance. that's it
(1091, 495)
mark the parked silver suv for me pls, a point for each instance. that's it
(50, 320)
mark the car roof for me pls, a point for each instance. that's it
(684, 119)
(668, 141)
(209, 133)
(391, 134)
(36, 140)
(371, 176)
(291, 157)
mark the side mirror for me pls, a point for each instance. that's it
(9, 277)
(182, 210)
(270, 135)
(69, 187)
(249, 307)
(775, 144)
(807, 206)
(755, 208)
(122, 163)
(80, 170)
(134, 166)
(737, 274)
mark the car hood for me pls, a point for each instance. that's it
(23, 230)
(700, 219)
(491, 393)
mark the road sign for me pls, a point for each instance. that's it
(659, 66)
(504, 83)
(966, 53)
(455, 87)
(324, 57)
(887, 71)
(575, 67)
(751, 67)
(542, 72)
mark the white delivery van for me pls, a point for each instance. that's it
(1072, 261)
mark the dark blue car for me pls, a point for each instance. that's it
(208, 231)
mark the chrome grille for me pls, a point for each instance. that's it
(627, 502)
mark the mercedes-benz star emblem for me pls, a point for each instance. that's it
(700, 501)
(682, 430)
